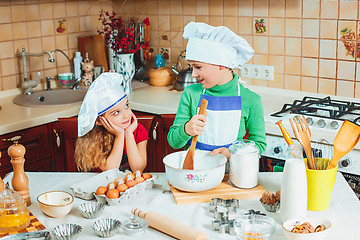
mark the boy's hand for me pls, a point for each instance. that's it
(224, 151)
(111, 128)
(196, 125)
(133, 125)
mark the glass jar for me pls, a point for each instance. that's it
(244, 164)
(14, 215)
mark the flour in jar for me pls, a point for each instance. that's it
(244, 164)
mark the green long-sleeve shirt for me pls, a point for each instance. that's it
(252, 113)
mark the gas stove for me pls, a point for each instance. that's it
(324, 117)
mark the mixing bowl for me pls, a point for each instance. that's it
(208, 171)
(55, 203)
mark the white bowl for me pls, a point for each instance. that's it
(55, 203)
(290, 224)
(208, 171)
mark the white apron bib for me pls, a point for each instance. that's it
(223, 122)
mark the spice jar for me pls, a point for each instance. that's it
(14, 215)
(244, 164)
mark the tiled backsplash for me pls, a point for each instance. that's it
(302, 39)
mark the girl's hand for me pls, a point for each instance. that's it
(224, 151)
(196, 125)
(133, 125)
(111, 128)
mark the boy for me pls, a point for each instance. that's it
(233, 110)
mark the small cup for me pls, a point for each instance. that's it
(65, 79)
(106, 227)
(91, 209)
(66, 231)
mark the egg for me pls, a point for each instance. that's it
(113, 193)
(101, 190)
(128, 177)
(110, 185)
(147, 176)
(139, 179)
(118, 181)
(131, 183)
(122, 187)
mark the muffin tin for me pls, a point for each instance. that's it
(66, 231)
(106, 227)
(91, 209)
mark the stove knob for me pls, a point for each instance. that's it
(310, 121)
(277, 149)
(334, 125)
(344, 163)
(321, 123)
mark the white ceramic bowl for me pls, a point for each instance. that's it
(208, 171)
(55, 203)
(289, 225)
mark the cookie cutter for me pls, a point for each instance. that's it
(224, 225)
(223, 207)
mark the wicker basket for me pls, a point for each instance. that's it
(162, 76)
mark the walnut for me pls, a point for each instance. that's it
(268, 198)
(307, 228)
(320, 228)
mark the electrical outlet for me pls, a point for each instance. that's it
(257, 72)
(165, 52)
(246, 71)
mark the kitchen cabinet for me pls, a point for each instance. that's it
(38, 155)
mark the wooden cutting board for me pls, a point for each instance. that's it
(95, 47)
(224, 191)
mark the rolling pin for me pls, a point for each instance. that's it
(169, 226)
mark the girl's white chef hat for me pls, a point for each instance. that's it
(216, 45)
(105, 92)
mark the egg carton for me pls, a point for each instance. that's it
(86, 188)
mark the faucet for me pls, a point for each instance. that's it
(28, 85)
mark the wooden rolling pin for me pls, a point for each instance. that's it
(169, 226)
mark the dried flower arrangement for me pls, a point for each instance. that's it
(120, 33)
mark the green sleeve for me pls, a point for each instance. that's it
(177, 137)
(253, 117)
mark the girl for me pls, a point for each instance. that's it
(109, 135)
(233, 110)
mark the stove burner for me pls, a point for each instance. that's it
(323, 107)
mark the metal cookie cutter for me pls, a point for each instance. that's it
(222, 207)
(222, 210)
(224, 225)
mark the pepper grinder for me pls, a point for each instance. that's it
(2, 186)
(20, 181)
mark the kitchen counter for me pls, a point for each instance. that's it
(151, 99)
(343, 212)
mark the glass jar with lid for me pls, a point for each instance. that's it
(244, 164)
(14, 215)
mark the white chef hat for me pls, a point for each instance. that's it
(216, 45)
(105, 92)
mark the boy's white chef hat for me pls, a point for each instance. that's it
(105, 92)
(216, 45)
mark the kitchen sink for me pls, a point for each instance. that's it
(52, 98)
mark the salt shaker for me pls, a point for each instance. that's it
(293, 198)
(244, 164)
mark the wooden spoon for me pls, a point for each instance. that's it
(345, 140)
(189, 159)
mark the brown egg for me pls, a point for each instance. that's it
(147, 176)
(101, 190)
(139, 179)
(110, 185)
(122, 187)
(113, 193)
(131, 183)
(128, 177)
(118, 181)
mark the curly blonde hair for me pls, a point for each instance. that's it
(92, 149)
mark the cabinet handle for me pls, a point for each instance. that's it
(154, 131)
(57, 138)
